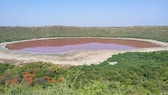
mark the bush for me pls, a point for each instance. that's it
(135, 73)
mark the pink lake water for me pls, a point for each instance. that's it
(76, 47)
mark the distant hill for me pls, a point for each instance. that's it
(8, 33)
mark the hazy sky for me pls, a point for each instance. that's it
(83, 12)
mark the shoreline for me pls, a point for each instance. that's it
(81, 57)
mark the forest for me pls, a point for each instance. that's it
(22, 33)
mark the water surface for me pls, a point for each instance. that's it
(68, 48)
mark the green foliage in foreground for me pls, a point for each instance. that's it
(4, 67)
(135, 74)
(22, 33)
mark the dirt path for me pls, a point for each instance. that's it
(72, 58)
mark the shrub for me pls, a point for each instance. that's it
(11, 81)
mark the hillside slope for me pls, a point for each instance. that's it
(22, 33)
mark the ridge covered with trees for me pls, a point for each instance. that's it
(22, 33)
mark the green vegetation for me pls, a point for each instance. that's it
(22, 33)
(4, 67)
(135, 74)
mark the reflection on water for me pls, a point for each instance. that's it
(67, 48)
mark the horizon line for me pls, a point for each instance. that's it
(82, 26)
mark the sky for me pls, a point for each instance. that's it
(86, 13)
